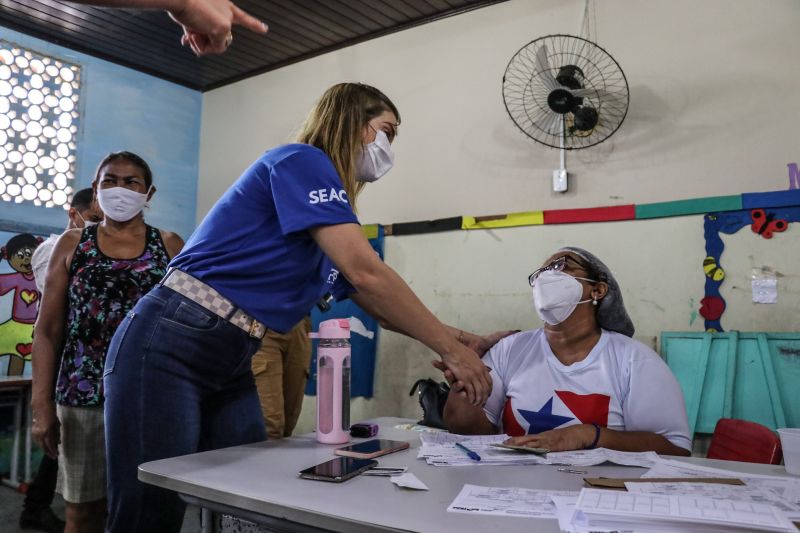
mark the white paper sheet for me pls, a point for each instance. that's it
(452, 438)
(565, 508)
(385, 471)
(765, 290)
(418, 428)
(408, 481)
(787, 488)
(718, 491)
(602, 455)
(507, 501)
(649, 511)
(672, 468)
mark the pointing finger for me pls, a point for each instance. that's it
(246, 20)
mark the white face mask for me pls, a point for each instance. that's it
(377, 158)
(86, 223)
(556, 295)
(121, 204)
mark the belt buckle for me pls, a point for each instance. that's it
(253, 326)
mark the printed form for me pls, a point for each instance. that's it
(508, 501)
(643, 511)
(782, 491)
(718, 491)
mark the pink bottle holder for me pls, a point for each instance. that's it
(333, 381)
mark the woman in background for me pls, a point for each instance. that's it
(95, 276)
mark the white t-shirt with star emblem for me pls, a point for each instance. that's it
(622, 385)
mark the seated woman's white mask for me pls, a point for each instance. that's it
(556, 295)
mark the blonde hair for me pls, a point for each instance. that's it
(336, 126)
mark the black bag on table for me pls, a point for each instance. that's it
(432, 397)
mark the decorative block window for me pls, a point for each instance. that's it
(38, 127)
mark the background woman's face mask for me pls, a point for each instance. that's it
(377, 158)
(556, 295)
(86, 223)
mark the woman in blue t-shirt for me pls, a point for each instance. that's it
(178, 377)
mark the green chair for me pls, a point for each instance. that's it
(747, 376)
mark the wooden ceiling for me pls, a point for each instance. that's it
(149, 41)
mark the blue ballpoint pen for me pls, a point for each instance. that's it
(472, 455)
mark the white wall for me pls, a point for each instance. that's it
(713, 107)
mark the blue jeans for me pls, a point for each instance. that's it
(177, 381)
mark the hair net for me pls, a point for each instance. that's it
(611, 313)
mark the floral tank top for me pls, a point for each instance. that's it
(100, 293)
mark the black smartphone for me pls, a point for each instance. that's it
(338, 470)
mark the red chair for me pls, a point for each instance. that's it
(740, 440)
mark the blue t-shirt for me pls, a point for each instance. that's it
(253, 246)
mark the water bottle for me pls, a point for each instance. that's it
(333, 381)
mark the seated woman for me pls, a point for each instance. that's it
(581, 381)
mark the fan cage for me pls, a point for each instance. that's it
(525, 91)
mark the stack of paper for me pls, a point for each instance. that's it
(602, 455)
(718, 491)
(602, 509)
(782, 492)
(762, 503)
(439, 449)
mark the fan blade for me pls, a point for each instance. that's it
(599, 93)
(544, 70)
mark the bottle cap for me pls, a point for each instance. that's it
(337, 328)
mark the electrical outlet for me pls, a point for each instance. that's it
(560, 180)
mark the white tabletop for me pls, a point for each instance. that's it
(262, 480)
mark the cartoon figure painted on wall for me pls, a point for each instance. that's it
(16, 330)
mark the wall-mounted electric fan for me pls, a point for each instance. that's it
(565, 92)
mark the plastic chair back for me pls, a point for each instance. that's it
(740, 440)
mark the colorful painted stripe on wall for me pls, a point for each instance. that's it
(693, 206)
(590, 214)
(755, 200)
(528, 218)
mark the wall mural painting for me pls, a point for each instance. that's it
(765, 223)
(19, 302)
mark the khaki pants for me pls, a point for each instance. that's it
(81, 454)
(280, 368)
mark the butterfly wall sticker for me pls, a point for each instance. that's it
(765, 224)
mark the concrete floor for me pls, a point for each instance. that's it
(11, 505)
